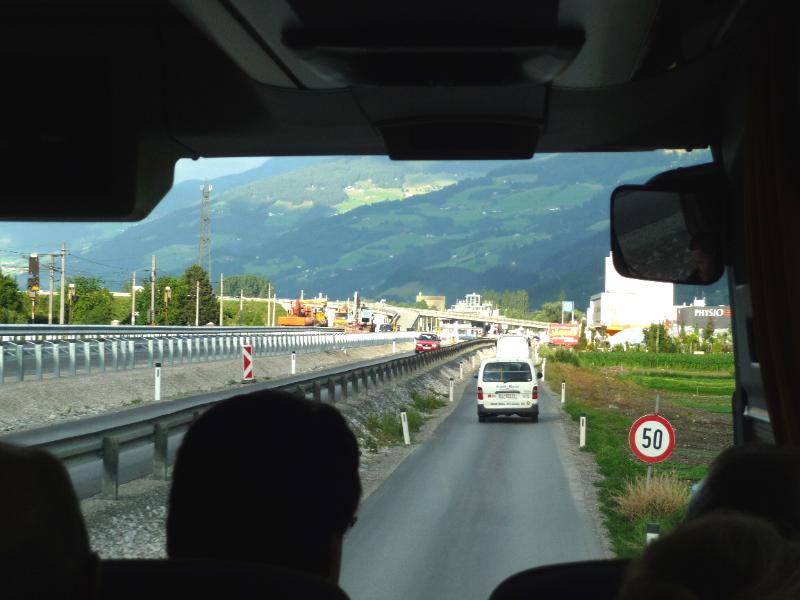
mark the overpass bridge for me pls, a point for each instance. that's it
(426, 320)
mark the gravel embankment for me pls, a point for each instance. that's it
(133, 526)
(36, 403)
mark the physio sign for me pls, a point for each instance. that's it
(652, 438)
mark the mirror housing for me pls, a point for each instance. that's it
(475, 376)
(539, 375)
(668, 230)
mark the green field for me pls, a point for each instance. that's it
(653, 360)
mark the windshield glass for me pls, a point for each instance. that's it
(505, 372)
(317, 276)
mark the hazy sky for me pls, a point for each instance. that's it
(209, 168)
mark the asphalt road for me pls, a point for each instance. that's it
(474, 504)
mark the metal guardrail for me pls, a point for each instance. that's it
(32, 351)
(104, 436)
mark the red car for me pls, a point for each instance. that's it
(427, 342)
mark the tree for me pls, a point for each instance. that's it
(93, 304)
(185, 302)
(253, 286)
(166, 313)
(12, 307)
(656, 339)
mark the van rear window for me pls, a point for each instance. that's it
(504, 372)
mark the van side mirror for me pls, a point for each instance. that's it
(539, 375)
(475, 376)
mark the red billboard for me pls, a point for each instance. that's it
(564, 334)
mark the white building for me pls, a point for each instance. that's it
(472, 304)
(629, 303)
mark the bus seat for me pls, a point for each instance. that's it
(134, 579)
(597, 579)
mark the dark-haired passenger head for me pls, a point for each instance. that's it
(722, 555)
(756, 479)
(265, 477)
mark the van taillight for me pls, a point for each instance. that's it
(480, 393)
(535, 393)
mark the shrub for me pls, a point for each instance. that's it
(563, 355)
(426, 403)
(661, 496)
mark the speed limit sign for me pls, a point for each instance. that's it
(652, 438)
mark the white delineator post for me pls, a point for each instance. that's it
(157, 391)
(248, 376)
(394, 347)
(563, 391)
(294, 363)
(451, 389)
(406, 435)
(460, 370)
(472, 361)
(582, 432)
(653, 532)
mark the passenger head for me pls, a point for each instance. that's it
(724, 555)
(265, 477)
(44, 547)
(704, 256)
(755, 479)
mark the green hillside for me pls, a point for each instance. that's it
(390, 229)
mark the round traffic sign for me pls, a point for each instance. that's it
(652, 438)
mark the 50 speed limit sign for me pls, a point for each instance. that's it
(652, 438)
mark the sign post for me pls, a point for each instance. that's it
(247, 364)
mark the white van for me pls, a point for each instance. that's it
(508, 387)
(513, 346)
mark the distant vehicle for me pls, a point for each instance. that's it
(507, 387)
(513, 346)
(385, 327)
(427, 342)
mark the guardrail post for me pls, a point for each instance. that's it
(87, 357)
(37, 352)
(19, 354)
(115, 355)
(160, 451)
(332, 390)
(72, 359)
(101, 355)
(214, 355)
(170, 351)
(356, 375)
(110, 486)
(150, 356)
(132, 353)
(189, 350)
(197, 354)
(160, 343)
(2, 362)
(205, 348)
(344, 382)
(180, 350)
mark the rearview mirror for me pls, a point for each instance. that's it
(666, 235)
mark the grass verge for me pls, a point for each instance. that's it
(386, 429)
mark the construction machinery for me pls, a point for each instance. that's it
(304, 313)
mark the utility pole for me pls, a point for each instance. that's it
(52, 283)
(133, 299)
(197, 305)
(241, 305)
(269, 303)
(221, 297)
(63, 282)
(152, 315)
(204, 245)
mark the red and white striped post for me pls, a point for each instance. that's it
(247, 364)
